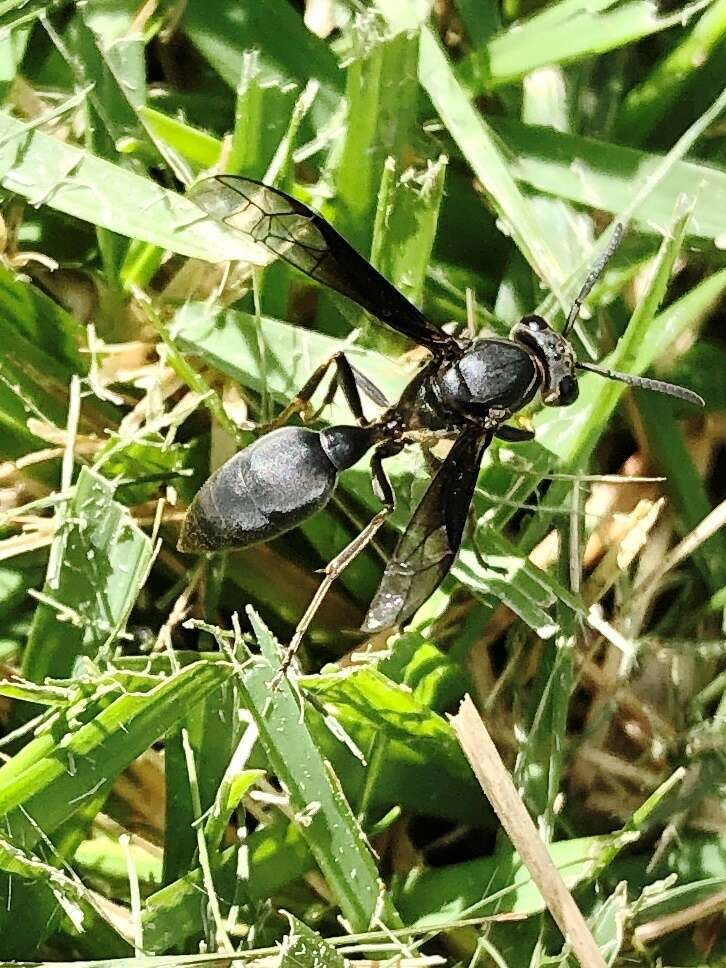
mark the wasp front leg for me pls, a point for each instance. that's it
(515, 435)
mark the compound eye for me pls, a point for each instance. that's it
(567, 390)
(535, 323)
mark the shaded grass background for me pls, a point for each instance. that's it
(155, 796)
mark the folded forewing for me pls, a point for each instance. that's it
(302, 237)
(428, 546)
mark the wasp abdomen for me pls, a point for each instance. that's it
(261, 492)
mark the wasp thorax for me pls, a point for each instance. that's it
(555, 356)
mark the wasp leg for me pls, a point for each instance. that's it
(385, 493)
(471, 526)
(432, 462)
(350, 380)
(515, 435)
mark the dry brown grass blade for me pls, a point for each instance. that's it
(681, 919)
(712, 523)
(497, 784)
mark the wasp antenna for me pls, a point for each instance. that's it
(645, 383)
(592, 277)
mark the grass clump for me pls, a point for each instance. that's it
(158, 796)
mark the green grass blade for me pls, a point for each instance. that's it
(403, 239)
(271, 289)
(288, 50)
(278, 856)
(404, 15)
(11, 16)
(608, 923)
(106, 856)
(199, 148)
(262, 110)
(109, 114)
(644, 817)
(538, 770)
(482, 21)
(371, 708)
(576, 433)
(40, 341)
(304, 948)
(105, 560)
(670, 455)
(647, 103)
(563, 33)
(409, 228)
(12, 49)
(211, 735)
(369, 704)
(545, 103)
(434, 677)
(228, 341)
(29, 312)
(483, 152)
(77, 765)
(382, 96)
(46, 171)
(141, 264)
(596, 173)
(332, 832)
(491, 884)
(33, 384)
(514, 580)
(36, 893)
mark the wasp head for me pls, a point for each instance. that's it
(555, 358)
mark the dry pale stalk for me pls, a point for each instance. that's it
(499, 788)
(681, 919)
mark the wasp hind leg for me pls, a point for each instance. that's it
(386, 495)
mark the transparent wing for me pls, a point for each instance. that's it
(303, 238)
(427, 548)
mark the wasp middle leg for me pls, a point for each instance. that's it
(350, 380)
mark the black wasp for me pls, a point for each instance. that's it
(467, 391)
